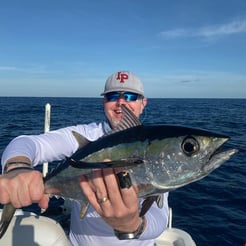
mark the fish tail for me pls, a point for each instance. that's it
(7, 215)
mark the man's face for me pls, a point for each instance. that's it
(112, 106)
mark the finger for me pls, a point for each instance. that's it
(99, 185)
(102, 193)
(124, 180)
(89, 192)
(44, 202)
(128, 192)
(23, 196)
(36, 186)
(112, 186)
(12, 188)
(31, 189)
(130, 198)
(4, 195)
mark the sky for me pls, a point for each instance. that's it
(178, 48)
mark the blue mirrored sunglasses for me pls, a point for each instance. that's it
(128, 96)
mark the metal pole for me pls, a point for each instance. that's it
(170, 218)
(46, 129)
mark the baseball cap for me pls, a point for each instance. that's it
(123, 81)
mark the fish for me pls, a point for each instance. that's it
(158, 159)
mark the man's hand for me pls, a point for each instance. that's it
(22, 188)
(117, 206)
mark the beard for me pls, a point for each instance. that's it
(114, 123)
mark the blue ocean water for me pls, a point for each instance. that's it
(212, 210)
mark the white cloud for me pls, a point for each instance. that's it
(29, 69)
(176, 33)
(236, 26)
(7, 68)
(208, 32)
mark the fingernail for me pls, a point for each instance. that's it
(124, 180)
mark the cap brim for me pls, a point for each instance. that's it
(125, 89)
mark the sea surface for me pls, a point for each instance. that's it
(212, 210)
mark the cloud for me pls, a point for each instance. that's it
(187, 81)
(7, 68)
(208, 32)
(236, 26)
(176, 33)
(31, 69)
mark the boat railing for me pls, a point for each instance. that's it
(46, 129)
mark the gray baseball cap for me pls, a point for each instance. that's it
(123, 81)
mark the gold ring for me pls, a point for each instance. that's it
(103, 200)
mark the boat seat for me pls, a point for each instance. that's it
(174, 237)
(30, 229)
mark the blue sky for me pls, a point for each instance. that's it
(179, 49)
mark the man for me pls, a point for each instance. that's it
(113, 216)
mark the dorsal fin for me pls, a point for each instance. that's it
(129, 119)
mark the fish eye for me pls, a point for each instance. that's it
(190, 146)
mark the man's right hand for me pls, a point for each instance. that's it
(22, 188)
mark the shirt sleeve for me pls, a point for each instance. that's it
(51, 146)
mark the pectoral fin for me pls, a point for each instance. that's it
(147, 203)
(108, 164)
(159, 201)
(83, 210)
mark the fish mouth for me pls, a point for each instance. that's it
(219, 147)
(219, 155)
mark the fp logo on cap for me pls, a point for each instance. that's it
(121, 77)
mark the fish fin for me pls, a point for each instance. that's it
(82, 141)
(159, 200)
(7, 215)
(83, 210)
(108, 164)
(129, 120)
(54, 171)
(147, 203)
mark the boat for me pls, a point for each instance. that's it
(40, 230)
(30, 229)
(174, 236)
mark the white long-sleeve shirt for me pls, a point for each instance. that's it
(91, 230)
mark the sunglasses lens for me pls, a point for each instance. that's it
(128, 96)
(112, 97)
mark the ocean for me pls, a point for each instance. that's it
(212, 210)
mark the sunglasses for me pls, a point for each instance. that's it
(128, 96)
